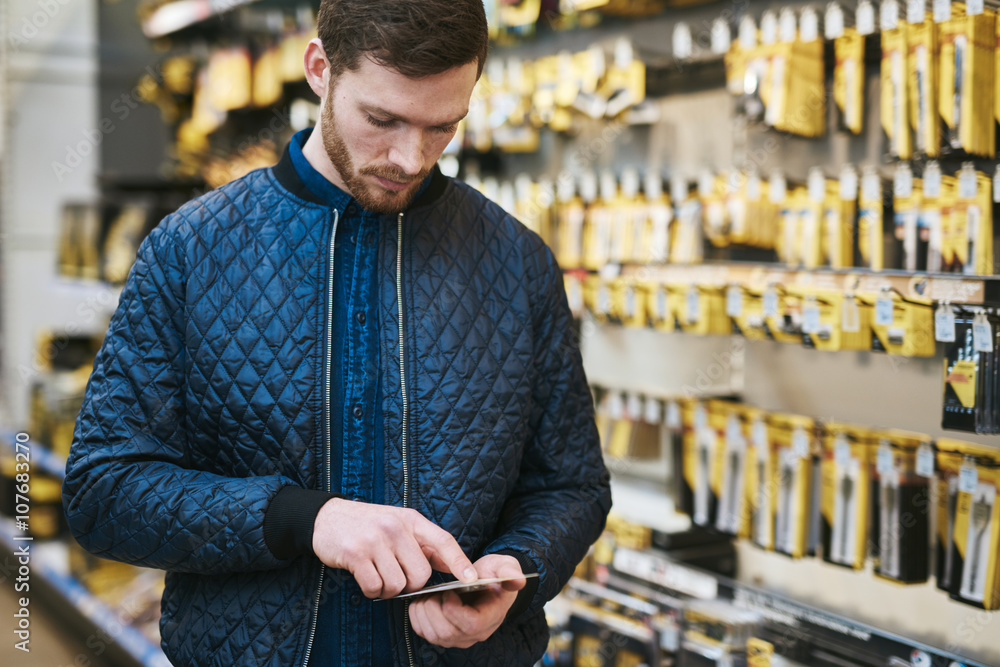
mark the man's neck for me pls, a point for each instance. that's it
(315, 153)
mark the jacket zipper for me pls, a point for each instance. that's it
(326, 410)
(406, 412)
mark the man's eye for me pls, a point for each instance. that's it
(379, 123)
(447, 129)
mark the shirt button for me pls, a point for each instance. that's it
(358, 412)
(361, 318)
(355, 600)
(351, 209)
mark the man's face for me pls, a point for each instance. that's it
(384, 131)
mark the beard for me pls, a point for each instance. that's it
(371, 197)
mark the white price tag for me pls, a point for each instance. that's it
(734, 432)
(883, 311)
(693, 304)
(682, 41)
(974, 7)
(760, 439)
(885, 462)
(800, 443)
(817, 184)
(850, 318)
(616, 406)
(720, 36)
(778, 191)
(888, 15)
(916, 11)
(810, 317)
(747, 32)
(652, 412)
(633, 406)
(706, 183)
(864, 19)
(841, 450)
(942, 11)
(700, 418)
(770, 302)
(967, 184)
(944, 324)
(787, 25)
(678, 189)
(932, 180)
(871, 186)
(753, 186)
(673, 418)
(925, 460)
(996, 185)
(968, 477)
(734, 301)
(849, 184)
(982, 334)
(902, 181)
(809, 25)
(833, 22)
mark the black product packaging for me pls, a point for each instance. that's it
(901, 506)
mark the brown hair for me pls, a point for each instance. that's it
(414, 37)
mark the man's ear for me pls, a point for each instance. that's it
(317, 68)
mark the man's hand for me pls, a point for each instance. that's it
(448, 620)
(389, 550)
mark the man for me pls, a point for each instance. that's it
(331, 377)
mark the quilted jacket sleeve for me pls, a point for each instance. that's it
(562, 496)
(129, 494)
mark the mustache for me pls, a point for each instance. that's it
(393, 174)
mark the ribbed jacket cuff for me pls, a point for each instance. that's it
(526, 594)
(289, 520)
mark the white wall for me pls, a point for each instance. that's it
(52, 115)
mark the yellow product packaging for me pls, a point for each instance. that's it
(971, 230)
(229, 78)
(658, 215)
(658, 312)
(745, 308)
(823, 320)
(629, 303)
(849, 78)
(901, 325)
(812, 224)
(597, 297)
(789, 239)
(570, 215)
(792, 444)
(894, 92)
(845, 495)
(871, 250)
(922, 81)
(762, 480)
(949, 463)
(699, 309)
(733, 516)
(267, 78)
(573, 282)
(687, 242)
(715, 214)
(937, 190)
(702, 463)
(620, 206)
(597, 234)
(906, 202)
(795, 87)
(840, 208)
(901, 505)
(967, 55)
(782, 314)
(736, 60)
(975, 541)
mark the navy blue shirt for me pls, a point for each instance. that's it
(351, 629)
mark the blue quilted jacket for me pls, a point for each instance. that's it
(209, 396)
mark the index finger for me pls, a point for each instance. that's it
(444, 553)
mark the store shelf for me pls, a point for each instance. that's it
(821, 629)
(180, 14)
(953, 288)
(89, 616)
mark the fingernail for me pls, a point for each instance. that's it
(470, 574)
